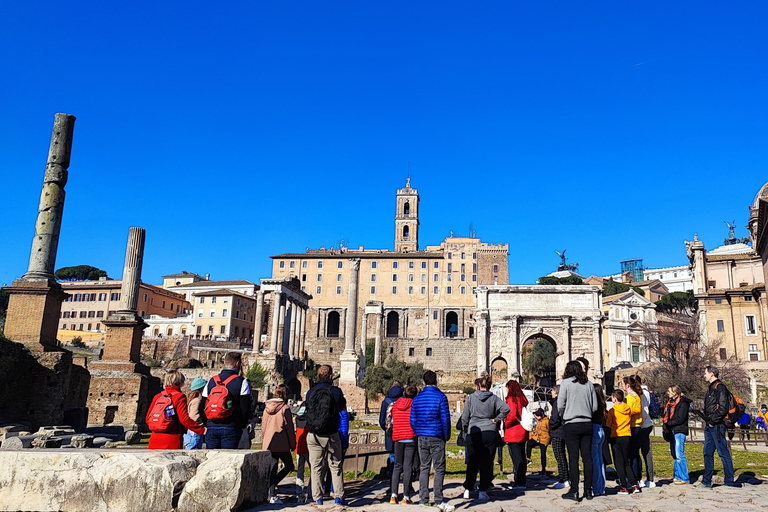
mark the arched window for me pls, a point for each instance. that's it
(393, 324)
(156, 331)
(451, 324)
(407, 208)
(405, 232)
(169, 331)
(332, 325)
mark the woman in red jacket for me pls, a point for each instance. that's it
(514, 434)
(171, 420)
(405, 445)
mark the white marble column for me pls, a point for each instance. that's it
(350, 329)
(259, 324)
(292, 332)
(276, 300)
(281, 327)
(364, 333)
(302, 332)
(482, 343)
(134, 258)
(377, 342)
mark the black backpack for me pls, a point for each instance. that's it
(322, 416)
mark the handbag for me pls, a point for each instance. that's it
(527, 420)
(462, 439)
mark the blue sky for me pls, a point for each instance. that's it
(232, 132)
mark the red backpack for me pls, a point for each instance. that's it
(219, 404)
(163, 417)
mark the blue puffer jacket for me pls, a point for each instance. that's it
(430, 414)
(344, 429)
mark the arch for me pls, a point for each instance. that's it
(332, 325)
(405, 232)
(542, 370)
(451, 324)
(294, 388)
(407, 208)
(183, 330)
(169, 331)
(156, 331)
(393, 324)
(499, 370)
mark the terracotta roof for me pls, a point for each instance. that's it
(223, 284)
(221, 292)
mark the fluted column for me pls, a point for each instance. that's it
(134, 259)
(259, 321)
(42, 258)
(302, 332)
(351, 321)
(281, 327)
(292, 332)
(277, 297)
(377, 339)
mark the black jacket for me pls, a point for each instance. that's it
(394, 393)
(678, 422)
(555, 422)
(336, 393)
(240, 391)
(716, 403)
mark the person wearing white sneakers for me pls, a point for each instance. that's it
(557, 438)
(279, 438)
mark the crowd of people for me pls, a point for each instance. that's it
(587, 432)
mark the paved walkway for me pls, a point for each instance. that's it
(370, 496)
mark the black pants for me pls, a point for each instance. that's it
(558, 447)
(634, 453)
(405, 457)
(578, 440)
(276, 477)
(519, 466)
(532, 443)
(481, 447)
(623, 462)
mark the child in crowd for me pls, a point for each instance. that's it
(302, 452)
(619, 418)
(539, 437)
(193, 441)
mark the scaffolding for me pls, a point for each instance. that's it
(635, 267)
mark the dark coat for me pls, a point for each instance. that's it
(240, 391)
(678, 422)
(555, 422)
(393, 394)
(716, 403)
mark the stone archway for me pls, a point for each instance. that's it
(499, 370)
(545, 360)
(294, 388)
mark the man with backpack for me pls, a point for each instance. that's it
(324, 404)
(226, 403)
(717, 404)
(431, 422)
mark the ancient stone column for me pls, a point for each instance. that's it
(277, 297)
(292, 331)
(364, 332)
(351, 323)
(281, 327)
(302, 334)
(482, 343)
(377, 339)
(259, 320)
(134, 259)
(42, 259)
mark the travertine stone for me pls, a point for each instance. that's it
(134, 258)
(351, 324)
(259, 321)
(276, 300)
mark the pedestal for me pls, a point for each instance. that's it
(33, 313)
(348, 374)
(123, 338)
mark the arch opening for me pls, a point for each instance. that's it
(538, 361)
(332, 329)
(451, 324)
(393, 324)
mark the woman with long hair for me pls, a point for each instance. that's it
(577, 403)
(279, 437)
(598, 438)
(483, 411)
(634, 398)
(514, 434)
(675, 421)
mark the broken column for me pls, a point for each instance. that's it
(35, 299)
(121, 387)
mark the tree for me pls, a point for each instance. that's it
(538, 360)
(560, 280)
(370, 349)
(79, 273)
(612, 288)
(256, 375)
(677, 302)
(682, 357)
(378, 377)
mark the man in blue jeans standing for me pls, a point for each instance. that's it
(226, 432)
(715, 409)
(431, 422)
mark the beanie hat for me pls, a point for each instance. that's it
(198, 383)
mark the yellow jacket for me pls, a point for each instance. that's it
(619, 418)
(540, 432)
(636, 406)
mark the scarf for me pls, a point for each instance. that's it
(670, 410)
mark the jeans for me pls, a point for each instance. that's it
(714, 439)
(405, 457)
(480, 449)
(519, 466)
(598, 466)
(276, 477)
(677, 447)
(301, 461)
(578, 440)
(226, 438)
(192, 441)
(431, 451)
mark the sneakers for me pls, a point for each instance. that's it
(466, 494)
(571, 495)
(733, 484)
(529, 462)
(319, 502)
(559, 485)
(406, 501)
(300, 482)
(393, 500)
(681, 482)
(623, 490)
(698, 485)
(275, 500)
(446, 507)
(650, 484)
(635, 489)
(340, 501)
(641, 483)
(483, 496)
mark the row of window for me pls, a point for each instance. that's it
(223, 330)
(83, 314)
(74, 327)
(750, 325)
(411, 278)
(411, 291)
(224, 313)
(92, 297)
(248, 304)
(374, 264)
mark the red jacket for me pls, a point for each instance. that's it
(174, 440)
(401, 420)
(513, 430)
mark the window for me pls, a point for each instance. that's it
(449, 277)
(410, 290)
(748, 298)
(723, 354)
(495, 268)
(462, 255)
(303, 264)
(391, 350)
(282, 264)
(423, 290)
(463, 290)
(718, 301)
(753, 348)
(238, 301)
(393, 324)
(202, 300)
(410, 278)
(436, 265)
(224, 313)
(450, 267)
(474, 255)
(333, 321)
(213, 313)
(462, 268)
(163, 304)
(675, 274)
(115, 296)
(78, 297)
(319, 264)
(720, 326)
(102, 296)
(91, 314)
(152, 301)
(338, 290)
(711, 284)
(89, 326)
(635, 354)
(304, 278)
(213, 300)
(304, 289)
(373, 264)
(338, 278)
(394, 264)
(394, 290)
(292, 264)
(65, 314)
(471, 332)
(423, 278)
(340, 264)
(319, 290)
(450, 256)
(429, 351)
(435, 290)
(474, 267)
(749, 322)
(661, 276)
(223, 329)
(83, 314)
(319, 278)
(448, 290)
(373, 278)
(436, 277)
(423, 264)
(474, 278)
(463, 277)
(410, 351)
(373, 290)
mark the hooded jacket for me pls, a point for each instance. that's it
(480, 409)
(513, 430)
(277, 427)
(401, 420)
(430, 414)
(393, 394)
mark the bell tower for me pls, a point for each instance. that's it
(407, 219)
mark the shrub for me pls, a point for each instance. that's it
(256, 375)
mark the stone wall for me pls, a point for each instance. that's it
(147, 480)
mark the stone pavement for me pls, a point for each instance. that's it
(370, 496)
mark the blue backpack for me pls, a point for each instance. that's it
(654, 409)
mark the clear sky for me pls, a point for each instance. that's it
(236, 130)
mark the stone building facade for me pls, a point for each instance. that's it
(417, 303)
(627, 318)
